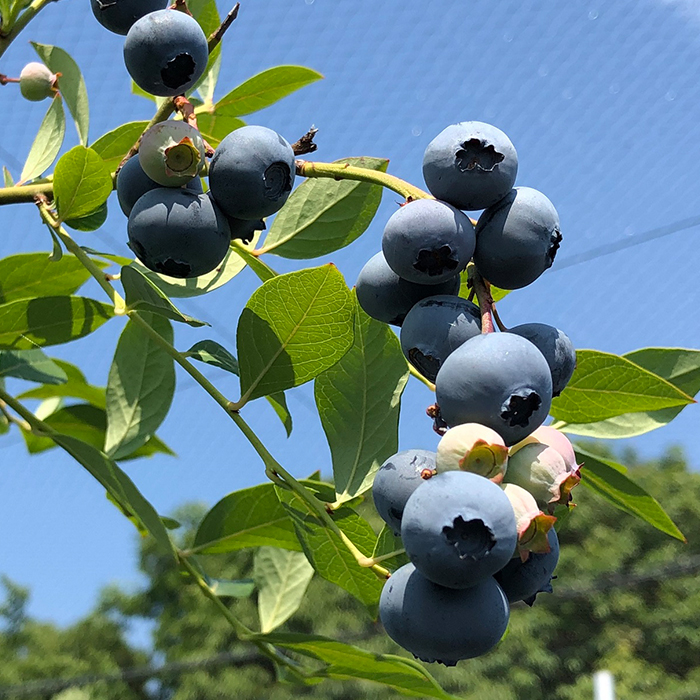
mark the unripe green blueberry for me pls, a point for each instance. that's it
(551, 437)
(472, 447)
(172, 153)
(37, 82)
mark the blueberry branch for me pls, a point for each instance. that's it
(13, 24)
(483, 295)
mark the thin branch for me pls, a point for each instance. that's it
(4, 80)
(501, 326)
(216, 37)
(181, 5)
(306, 143)
(184, 106)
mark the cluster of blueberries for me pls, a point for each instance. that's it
(476, 517)
(175, 228)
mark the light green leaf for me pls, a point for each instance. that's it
(217, 125)
(346, 662)
(328, 554)
(82, 183)
(282, 577)
(212, 353)
(206, 13)
(278, 401)
(606, 385)
(47, 143)
(241, 588)
(608, 480)
(70, 84)
(266, 88)
(389, 543)
(140, 387)
(31, 365)
(76, 387)
(358, 401)
(89, 222)
(253, 517)
(115, 144)
(324, 215)
(229, 267)
(136, 90)
(679, 366)
(30, 275)
(7, 178)
(28, 323)
(143, 295)
(294, 327)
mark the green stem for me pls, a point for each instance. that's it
(21, 22)
(342, 171)
(261, 269)
(420, 377)
(25, 193)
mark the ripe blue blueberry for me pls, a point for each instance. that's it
(517, 239)
(245, 230)
(252, 173)
(396, 480)
(166, 52)
(471, 165)
(499, 380)
(133, 183)
(178, 233)
(435, 327)
(458, 528)
(523, 580)
(119, 15)
(427, 242)
(385, 296)
(557, 349)
(442, 624)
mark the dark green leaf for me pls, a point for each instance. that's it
(82, 183)
(75, 387)
(323, 215)
(608, 480)
(388, 543)
(28, 323)
(31, 365)
(278, 401)
(47, 143)
(89, 222)
(143, 295)
(140, 388)
(253, 517)
(294, 327)
(115, 144)
(70, 84)
(212, 353)
(358, 401)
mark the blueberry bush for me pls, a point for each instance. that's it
(471, 528)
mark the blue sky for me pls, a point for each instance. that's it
(602, 102)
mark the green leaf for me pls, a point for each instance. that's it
(324, 215)
(294, 327)
(140, 387)
(28, 323)
(30, 275)
(119, 486)
(282, 577)
(230, 266)
(82, 183)
(136, 90)
(47, 143)
(212, 353)
(76, 387)
(346, 662)
(70, 84)
(115, 144)
(31, 365)
(608, 480)
(7, 178)
(387, 543)
(358, 401)
(266, 88)
(217, 125)
(328, 554)
(679, 366)
(143, 295)
(206, 13)
(464, 290)
(605, 385)
(278, 401)
(253, 517)
(89, 222)
(241, 588)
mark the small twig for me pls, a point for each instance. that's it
(501, 326)
(216, 37)
(483, 294)
(306, 143)
(181, 5)
(4, 80)
(184, 106)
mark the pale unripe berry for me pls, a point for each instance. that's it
(172, 153)
(551, 437)
(472, 447)
(37, 82)
(532, 524)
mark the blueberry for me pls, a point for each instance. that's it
(119, 15)
(517, 239)
(385, 296)
(133, 183)
(471, 165)
(396, 480)
(427, 242)
(37, 82)
(245, 230)
(171, 153)
(178, 233)
(252, 173)
(499, 380)
(458, 528)
(166, 52)
(442, 624)
(436, 326)
(523, 580)
(472, 447)
(557, 349)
